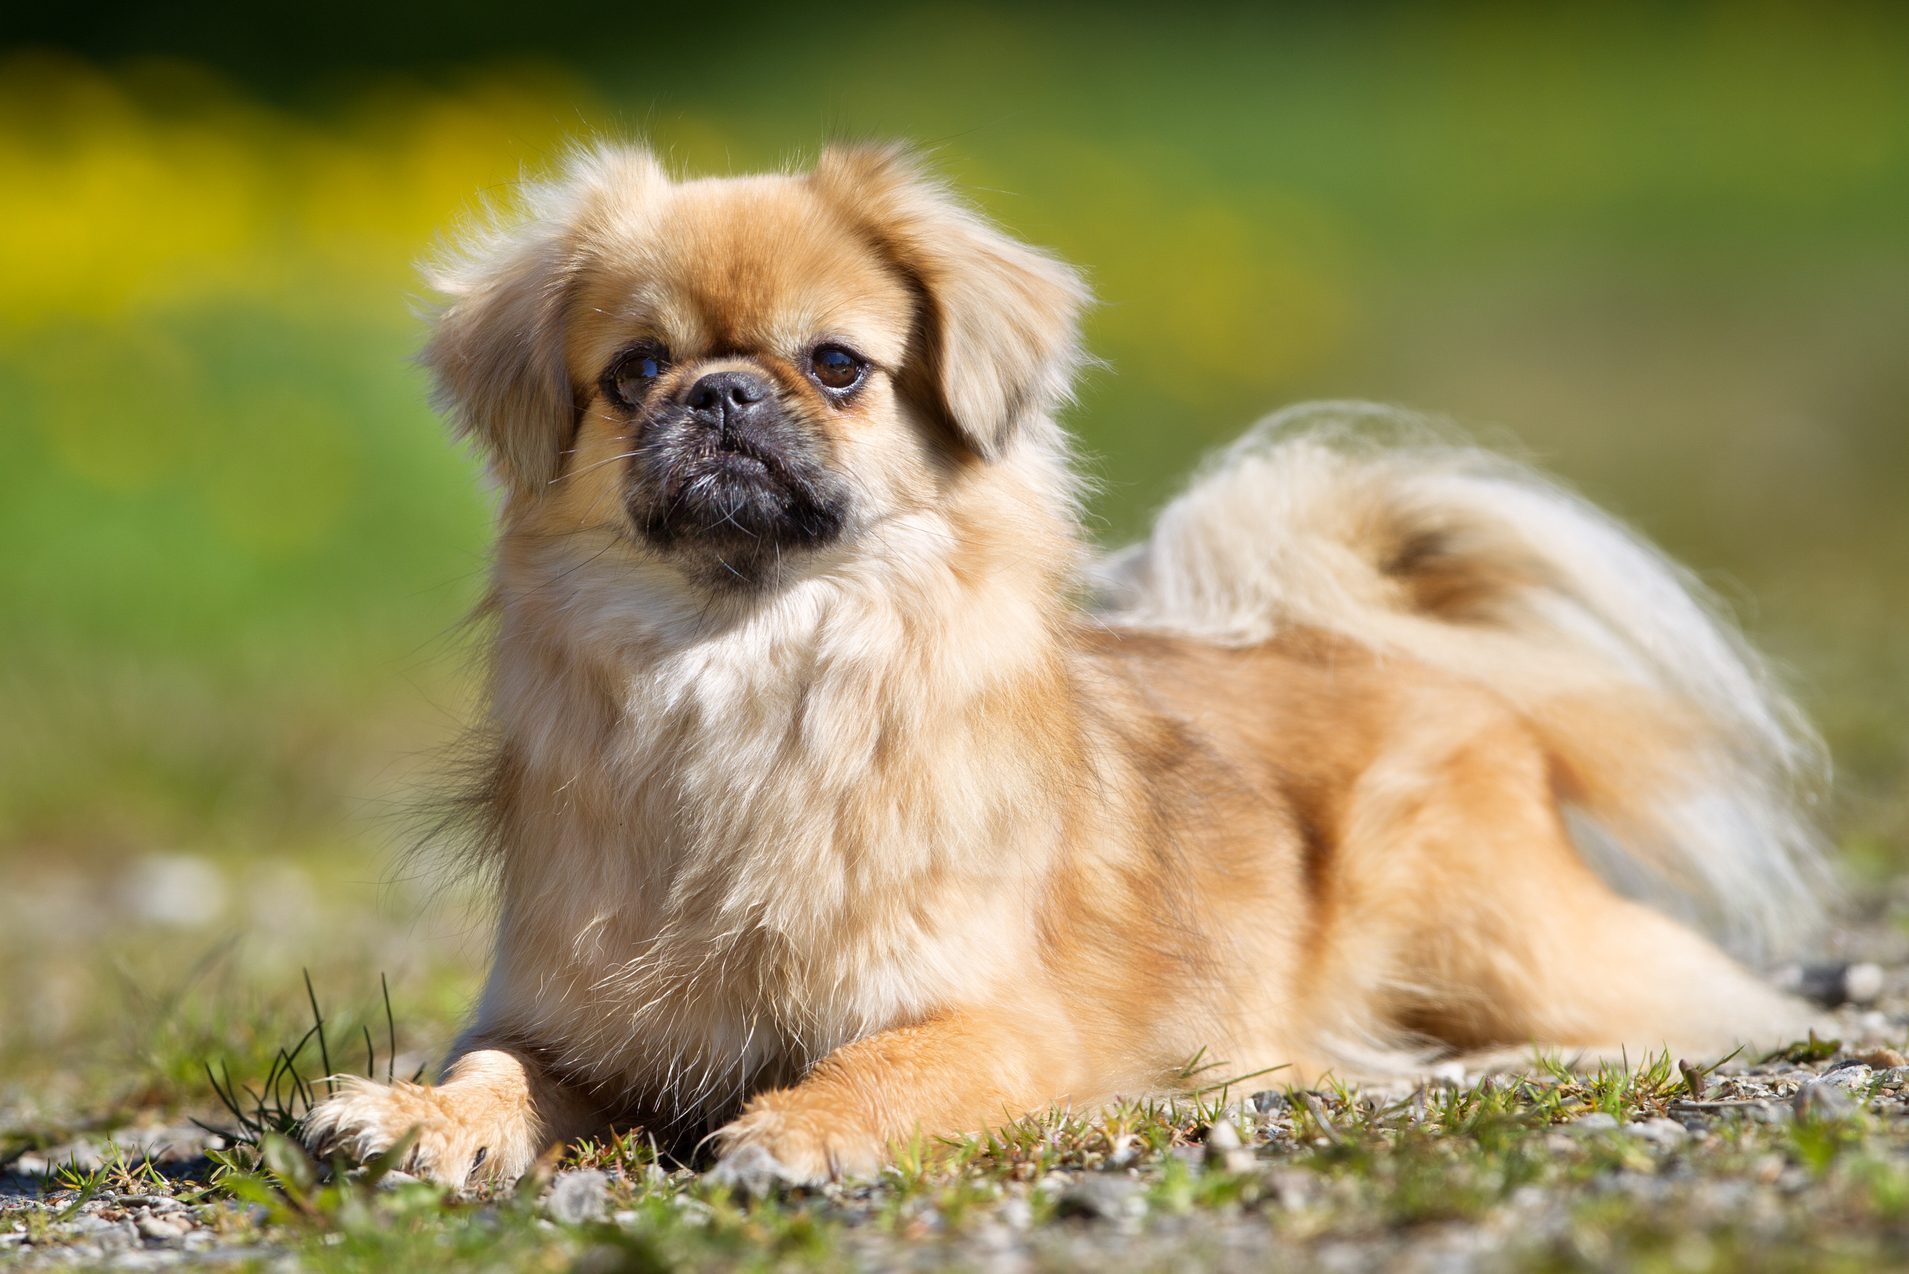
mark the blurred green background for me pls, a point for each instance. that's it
(1663, 250)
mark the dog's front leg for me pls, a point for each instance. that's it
(493, 1113)
(961, 1071)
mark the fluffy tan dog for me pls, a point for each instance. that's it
(841, 794)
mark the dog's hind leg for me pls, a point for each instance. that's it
(1508, 937)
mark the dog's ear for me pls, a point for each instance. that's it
(998, 338)
(497, 348)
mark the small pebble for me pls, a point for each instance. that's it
(579, 1197)
(1099, 1197)
(161, 1229)
(1851, 1077)
(1819, 1099)
(1660, 1132)
(1834, 984)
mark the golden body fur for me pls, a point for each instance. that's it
(829, 810)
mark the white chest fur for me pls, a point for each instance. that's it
(733, 848)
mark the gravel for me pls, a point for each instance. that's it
(1715, 1173)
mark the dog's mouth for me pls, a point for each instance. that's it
(743, 496)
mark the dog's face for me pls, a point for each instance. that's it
(739, 378)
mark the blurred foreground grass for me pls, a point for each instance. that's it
(1664, 252)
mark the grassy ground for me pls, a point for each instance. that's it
(1661, 252)
(1796, 1161)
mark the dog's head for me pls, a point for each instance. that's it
(739, 377)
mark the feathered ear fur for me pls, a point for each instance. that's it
(999, 337)
(496, 350)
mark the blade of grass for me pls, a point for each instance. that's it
(318, 1020)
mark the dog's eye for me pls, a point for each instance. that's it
(836, 368)
(629, 377)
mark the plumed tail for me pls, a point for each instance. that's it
(1686, 773)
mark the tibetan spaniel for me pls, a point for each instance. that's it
(839, 792)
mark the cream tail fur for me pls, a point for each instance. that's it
(1689, 772)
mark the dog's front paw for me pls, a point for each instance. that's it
(455, 1133)
(770, 1148)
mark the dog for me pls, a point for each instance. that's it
(840, 793)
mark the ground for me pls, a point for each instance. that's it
(1797, 1161)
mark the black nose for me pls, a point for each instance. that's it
(724, 396)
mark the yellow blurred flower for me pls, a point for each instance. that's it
(160, 185)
